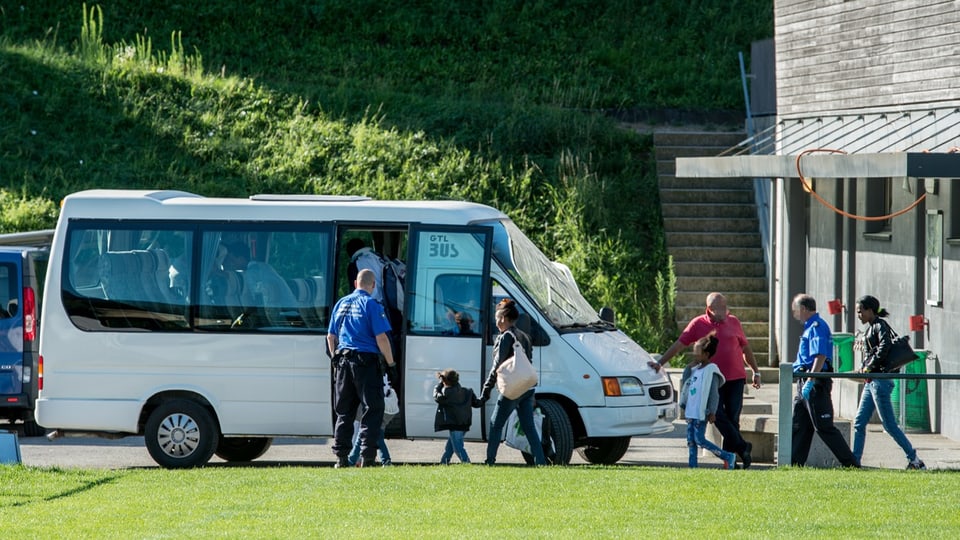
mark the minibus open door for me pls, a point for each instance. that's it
(447, 318)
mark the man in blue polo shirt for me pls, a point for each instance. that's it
(813, 404)
(358, 334)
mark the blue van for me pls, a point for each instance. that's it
(22, 271)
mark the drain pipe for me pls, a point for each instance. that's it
(746, 98)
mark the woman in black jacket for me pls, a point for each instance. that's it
(876, 392)
(506, 319)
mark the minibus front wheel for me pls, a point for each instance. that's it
(181, 434)
(558, 448)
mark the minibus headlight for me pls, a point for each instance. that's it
(622, 386)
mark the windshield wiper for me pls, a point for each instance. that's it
(598, 324)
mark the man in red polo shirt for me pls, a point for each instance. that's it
(732, 350)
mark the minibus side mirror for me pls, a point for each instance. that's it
(607, 314)
(531, 328)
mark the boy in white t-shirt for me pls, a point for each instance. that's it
(699, 397)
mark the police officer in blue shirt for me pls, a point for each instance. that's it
(813, 405)
(358, 334)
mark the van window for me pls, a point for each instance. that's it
(127, 277)
(9, 291)
(130, 276)
(550, 285)
(457, 303)
(261, 279)
(447, 283)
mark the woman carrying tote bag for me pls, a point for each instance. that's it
(878, 341)
(506, 319)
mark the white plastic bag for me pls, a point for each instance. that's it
(516, 438)
(391, 402)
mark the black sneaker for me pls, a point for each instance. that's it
(916, 465)
(342, 463)
(746, 456)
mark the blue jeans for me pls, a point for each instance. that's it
(455, 445)
(876, 396)
(354, 456)
(697, 437)
(524, 407)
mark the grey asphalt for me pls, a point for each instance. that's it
(667, 450)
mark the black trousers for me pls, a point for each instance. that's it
(728, 416)
(816, 416)
(358, 382)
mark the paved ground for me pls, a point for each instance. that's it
(667, 450)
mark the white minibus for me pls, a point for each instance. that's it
(152, 328)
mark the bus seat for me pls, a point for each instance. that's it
(149, 278)
(134, 276)
(119, 275)
(311, 298)
(162, 276)
(223, 294)
(266, 291)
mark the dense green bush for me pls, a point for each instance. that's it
(19, 212)
(496, 102)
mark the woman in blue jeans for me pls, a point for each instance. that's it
(506, 319)
(876, 392)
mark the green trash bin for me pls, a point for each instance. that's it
(916, 406)
(843, 351)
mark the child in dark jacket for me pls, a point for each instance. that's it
(454, 413)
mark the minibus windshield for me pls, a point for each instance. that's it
(550, 284)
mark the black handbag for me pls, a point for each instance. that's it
(901, 354)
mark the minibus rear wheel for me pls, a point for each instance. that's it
(32, 429)
(242, 448)
(604, 450)
(181, 434)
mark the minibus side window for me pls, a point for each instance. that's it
(526, 323)
(257, 279)
(123, 279)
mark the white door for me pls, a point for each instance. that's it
(447, 316)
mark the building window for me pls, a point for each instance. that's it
(953, 210)
(879, 203)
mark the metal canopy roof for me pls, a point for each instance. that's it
(885, 165)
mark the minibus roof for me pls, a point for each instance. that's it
(144, 204)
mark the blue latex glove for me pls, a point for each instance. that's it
(807, 388)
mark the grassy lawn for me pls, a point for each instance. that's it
(476, 501)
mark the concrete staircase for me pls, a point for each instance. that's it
(713, 235)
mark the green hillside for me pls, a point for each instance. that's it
(506, 103)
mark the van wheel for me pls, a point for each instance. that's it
(180, 434)
(32, 429)
(604, 450)
(242, 448)
(559, 432)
